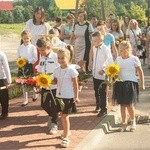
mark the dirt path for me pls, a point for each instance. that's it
(9, 45)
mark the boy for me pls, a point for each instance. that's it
(100, 57)
(47, 64)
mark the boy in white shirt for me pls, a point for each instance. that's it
(100, 57)
(47, 64)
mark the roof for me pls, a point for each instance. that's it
(6, 5)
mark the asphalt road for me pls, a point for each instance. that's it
(140, 138)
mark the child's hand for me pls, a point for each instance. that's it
(76, 100)
(143, 87)
(101, 72)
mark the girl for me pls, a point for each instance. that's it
(126, 91)
(5, 80)
(67, 89)
(29, 52)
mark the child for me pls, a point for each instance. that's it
(29, 52)
(5, 80)
(101, 56)
(67, 89)
(48, 62)
(126, 91)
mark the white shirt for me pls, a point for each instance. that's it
(101, 58)
(48, 65)
(4, 68)
(64, 81)
(128, 68)
(29, 52)
(36, 30)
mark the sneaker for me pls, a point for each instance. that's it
(123, 128)
(54, 128)
(24, 103)
(65, 142)
(102, 114)
(97, 109)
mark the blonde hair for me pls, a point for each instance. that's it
(125, 45)
(134, 22)
(67, 51)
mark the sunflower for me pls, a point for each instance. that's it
(112, 70)
(43, 80)
(21, 62)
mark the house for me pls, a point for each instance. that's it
(6, 5)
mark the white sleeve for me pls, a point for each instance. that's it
(74, 73)
(34, 55)
(6, 68)
(28, 25)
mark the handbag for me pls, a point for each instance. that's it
(139, 46)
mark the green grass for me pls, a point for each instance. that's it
(6, 29)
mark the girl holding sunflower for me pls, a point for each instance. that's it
(126, 91)
(67, 89)
(27, 56)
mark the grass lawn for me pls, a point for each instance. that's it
(11, 28)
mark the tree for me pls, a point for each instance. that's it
(17, 13)
(137, 12)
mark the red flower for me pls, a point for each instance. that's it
(30, 81)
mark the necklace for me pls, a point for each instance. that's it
(61, 76)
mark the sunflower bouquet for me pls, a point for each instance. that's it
(44, 81)
(112, 74)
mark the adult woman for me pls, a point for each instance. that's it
(125, 24)
(81, 37)
(115, 30)
(134, 35)
(66, 29)
(147, 35)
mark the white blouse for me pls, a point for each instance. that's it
(4, 68)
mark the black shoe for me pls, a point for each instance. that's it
(3, 116)
(102, 114)
(34, 99)
(23, 105)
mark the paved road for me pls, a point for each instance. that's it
(138, 140)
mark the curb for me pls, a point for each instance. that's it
(95, 136)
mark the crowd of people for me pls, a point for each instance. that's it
(91, 46)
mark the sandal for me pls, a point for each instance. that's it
(65, 142)
(123, 128)
(132, 126)
(62, 136)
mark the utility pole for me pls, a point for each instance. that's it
(76, 9)
(102, 9)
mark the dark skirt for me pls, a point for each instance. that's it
(126, 93)
(26, 71)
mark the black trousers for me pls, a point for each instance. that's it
(4, 97)
(100, 94)
(47, 103)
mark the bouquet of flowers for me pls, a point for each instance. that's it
(45, 80)
(27, 81)
(112, 74)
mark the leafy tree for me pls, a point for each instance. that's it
(137, 12)
(17, 13)
(27, 14)
(6, 17)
